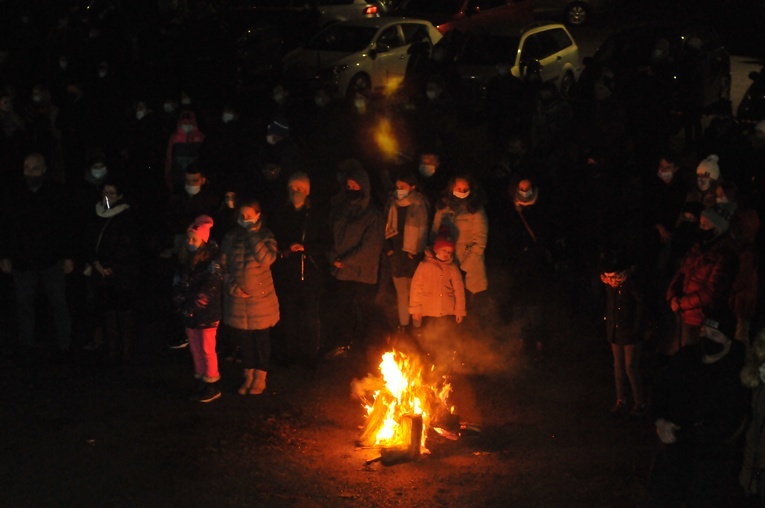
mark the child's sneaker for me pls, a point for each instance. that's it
(619, 409)
(209, 394)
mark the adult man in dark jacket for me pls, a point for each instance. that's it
(37, 247)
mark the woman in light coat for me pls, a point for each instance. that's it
(250, 306)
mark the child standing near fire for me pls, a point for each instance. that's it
(437, 293)
(197, 296)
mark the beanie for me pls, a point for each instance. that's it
(301, 181)
(709, 167)
(718, 217)
(443, 239)
(201, 227)
(722, 320)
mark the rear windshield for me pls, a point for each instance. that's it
(432, 6)
(346, 39)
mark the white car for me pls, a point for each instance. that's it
(364, 54)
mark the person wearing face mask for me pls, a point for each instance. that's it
(358, 232)
(707, 177)
(437, 298)
(194, 199)
(197, 290)
(625, 323)
(38, 246)
(461, 210)
(111, 249)
(406, 236)
(301, 228)
(698, 407)
(183, 149)
(250, 305)
(704, 277)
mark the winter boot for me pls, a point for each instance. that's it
(259, 384)
(248, 380)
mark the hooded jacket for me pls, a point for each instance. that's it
(437, 289)
(358, 231)
(182, 149)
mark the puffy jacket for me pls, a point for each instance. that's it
(437, 289)
(192, 282)
(704, 279)
(246, 258)
(470, 231)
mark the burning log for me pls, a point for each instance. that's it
(412, 428)
(375, 420)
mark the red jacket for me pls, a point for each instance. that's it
(704, 279)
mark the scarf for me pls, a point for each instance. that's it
(416, 224)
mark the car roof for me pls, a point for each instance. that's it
(380, 22)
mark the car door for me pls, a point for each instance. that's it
(390, 57)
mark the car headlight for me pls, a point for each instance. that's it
(338, 69)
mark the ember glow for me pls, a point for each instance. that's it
(386, 139)
(404, 393)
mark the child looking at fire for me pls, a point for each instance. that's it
(437, 291)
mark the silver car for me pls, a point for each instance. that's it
(364, 54)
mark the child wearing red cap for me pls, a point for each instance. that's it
(197, 296)
(437, 287)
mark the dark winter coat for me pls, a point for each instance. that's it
(193, 280)
(704, 279)
(246, 259)
(624, 316)
(37, 229)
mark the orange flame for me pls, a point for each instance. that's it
(405, 392)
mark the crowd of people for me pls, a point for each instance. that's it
(315, 223)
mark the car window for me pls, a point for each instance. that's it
(559, 38)
(432, 6)
(414, 32)
(532, 48)
(391, 37)
(344, 38)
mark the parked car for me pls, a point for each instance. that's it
(325, 12)
(661, 48)
(572, 12)
(467, 15)
(364, 54)
(752, 107)
(547, 47)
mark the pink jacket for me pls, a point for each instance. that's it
(437, 289)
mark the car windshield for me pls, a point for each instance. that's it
(432, 6)
(343, 38)
(488, 50)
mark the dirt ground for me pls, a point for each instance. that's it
(77, 432)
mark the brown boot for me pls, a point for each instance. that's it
(249, 376)
(259, 384)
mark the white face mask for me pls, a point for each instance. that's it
(140, 114)
(191, 190)
(665, 175)
(461, 195)
(227, 117)
(36, 99)
(247, 224)
(401, 193)
(703, 183)
(98, 172)
(271, 139)
(427, 170)
(722, 200)
(526, 194)
(187, 128)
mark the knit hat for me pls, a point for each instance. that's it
(718, 216)
(709, 167)
(723, 320)
(300, 180)
(201, 227)
(443, 239)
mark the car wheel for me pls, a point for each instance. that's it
(566, 85)
(359, 83)
(576, 14)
